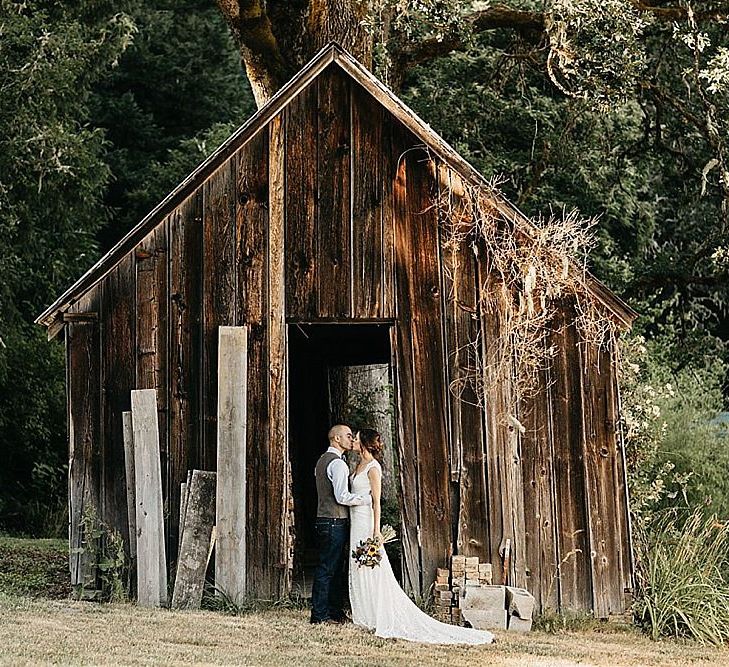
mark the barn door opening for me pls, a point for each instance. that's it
(337, 373)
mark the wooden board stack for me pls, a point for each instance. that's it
(464, 571)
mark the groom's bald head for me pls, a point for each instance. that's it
(340, 435)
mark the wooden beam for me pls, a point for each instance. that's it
(195, 542)
(151, 561)
(230, 553)
(128, 432)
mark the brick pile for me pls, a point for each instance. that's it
(450, 583)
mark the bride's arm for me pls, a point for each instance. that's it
(376, 486)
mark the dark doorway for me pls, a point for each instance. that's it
(319, 356)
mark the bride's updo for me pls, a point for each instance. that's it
(372, 442)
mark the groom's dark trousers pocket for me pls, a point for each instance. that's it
(329, 577)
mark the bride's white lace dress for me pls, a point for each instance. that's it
(378, 602)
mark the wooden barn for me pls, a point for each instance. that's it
(317, 224)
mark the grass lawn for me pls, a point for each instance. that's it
(37, 630)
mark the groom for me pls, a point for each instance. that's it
(332, 527)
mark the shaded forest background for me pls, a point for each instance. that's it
(105, 106)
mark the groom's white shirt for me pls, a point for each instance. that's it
(338, 475)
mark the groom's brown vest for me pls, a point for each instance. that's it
(328, 507)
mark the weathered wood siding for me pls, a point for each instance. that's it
(329, 214)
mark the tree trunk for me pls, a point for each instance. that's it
(278, 39)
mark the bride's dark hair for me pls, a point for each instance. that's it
(372, 442)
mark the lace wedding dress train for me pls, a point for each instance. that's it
(378, 602)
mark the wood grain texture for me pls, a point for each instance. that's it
(368, 261)
(84, 435)
(118, 379)
(333, 226)
(466, 453)
(252, 244)
(231, 489)
(151, 330)
(195, 545)
(539, 506)
(151, 555)
(219, 290)
(419, 291)
(575, 581)
(278, 489)
(185, 352)
(503, 453)
(128, 430)
(302, 142)
(604, 508)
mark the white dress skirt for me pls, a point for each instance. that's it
(378, 602)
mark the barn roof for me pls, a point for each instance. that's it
(52, 317)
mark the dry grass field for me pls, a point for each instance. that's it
(42, 631)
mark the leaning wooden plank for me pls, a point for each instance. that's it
(181, 522)
(230, 553)
(151, 561)
(195, 542)
(128, 433)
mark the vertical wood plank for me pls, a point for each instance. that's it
(131, 483)
(196, 541)
(151, 332)
(118, 379)
(503, 453)
(539, 509)
(151, 560)
(219, 290)
(467, 456)
(231, 489)
(302, 130)
(278, 491)
(85, 433)
(402, 371)
(604, 507)
(575, 584)
(252, 304)
(367, 210)
(185, 352)
(334, 265)
(419, 291)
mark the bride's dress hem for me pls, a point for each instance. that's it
(380, 605)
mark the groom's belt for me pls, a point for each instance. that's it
(330, 519)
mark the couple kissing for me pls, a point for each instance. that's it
(348, 514)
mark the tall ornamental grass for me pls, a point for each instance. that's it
(683, 578)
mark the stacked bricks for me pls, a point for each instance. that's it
(449, 584)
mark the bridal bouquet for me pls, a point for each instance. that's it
(368, 551)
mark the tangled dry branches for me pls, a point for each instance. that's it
(531, 270)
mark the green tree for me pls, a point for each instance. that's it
(52, 180)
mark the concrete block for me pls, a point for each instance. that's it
(442, 587)
(442, 573)
(517, 624)
(483, 597)
(472, 561)
(520, 602)
(494, 619)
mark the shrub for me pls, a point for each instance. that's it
(683, 589)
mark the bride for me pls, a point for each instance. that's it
(378, 602)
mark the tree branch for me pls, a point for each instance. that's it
(492, 18)
(260, 54)
(504, 17)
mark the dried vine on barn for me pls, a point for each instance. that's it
(531, 272)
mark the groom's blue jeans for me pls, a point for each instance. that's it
(327, 593)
